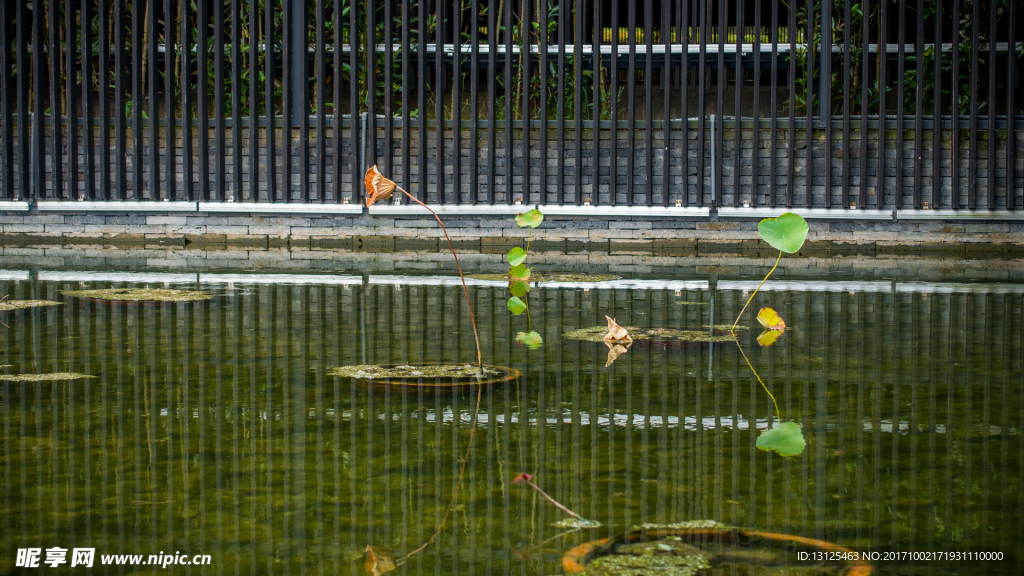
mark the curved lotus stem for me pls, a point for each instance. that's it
(378, 187)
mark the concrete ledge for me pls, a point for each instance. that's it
(14, 206)
(449, 209)
(117, 206)
(280, 208)
(625, 211)
(807, 213)
(960, 214)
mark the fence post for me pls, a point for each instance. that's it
(299, 50)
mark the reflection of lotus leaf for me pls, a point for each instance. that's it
(8, 305)
(43, 377)
(596, 334)
(141, 295)
(531, 340)
(538, 277)
(785, 439)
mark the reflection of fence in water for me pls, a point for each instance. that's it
(213, 424)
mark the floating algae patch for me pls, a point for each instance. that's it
(427, 375)
(596, 334)
(725, 327)
(9, 305)
(44, 377)
(691, 303)
(579, 523)
(141, 295)
(685, 525)
(668, 557)
(540, 277)
(375, 372)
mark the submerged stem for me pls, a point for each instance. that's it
(472, 316)
(734, 324)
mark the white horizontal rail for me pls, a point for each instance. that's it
(116, 206)
(280, 208)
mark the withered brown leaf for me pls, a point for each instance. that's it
(377, 186)
(379, 560)
(616, 333)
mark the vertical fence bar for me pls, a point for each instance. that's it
(269, 72)
(202, 121)
(406, 96)
(542, 18)
(701, 72)
(389, 97)
(457, 102)
(718, 125)
(684, 85)
(236, 101)
(492, 73)
(525, 58)
(826, 93)
(321, 104)
(1011, 134)
(170, 101)
(186, 101)
(791, 133)
(439, 89)
(560, 184)
(937, 111)
(302, 98)
(954, 113)
(755, 143)
(993, 135)
(900, 87)
(119, 101)
(218, 100)
(809, 105)
(577, 61)
(649, 101)
(254, 116)
(631, 92)
(288, 100)
(883, 78)
(972, 162)
(865, 82)
(738, 113)
(772, 147)
(353, 81)
(22, 84)
(919, 104)
(154, 114)
(847, 102)
(56, 146)
(138, 93)
(614, 95)
(6, 101)
(666, 84)
(71, 81)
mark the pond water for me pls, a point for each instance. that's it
(212, 427)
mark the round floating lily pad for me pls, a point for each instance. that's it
(786, 233)
(786, 439)
(44, 377)
(596, 334)
(9, 305)
(426, 375)
(141, 295)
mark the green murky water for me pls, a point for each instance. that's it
(213, 428)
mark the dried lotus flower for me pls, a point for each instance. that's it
(616, 333)
(377, 186)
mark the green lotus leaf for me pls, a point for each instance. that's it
(786, 233)
(519, 272)
(518, 289)
(531, 340)
(516, 256)
(785, 439)
(531, 218)
(516, 306)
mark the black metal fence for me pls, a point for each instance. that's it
(908, 104)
